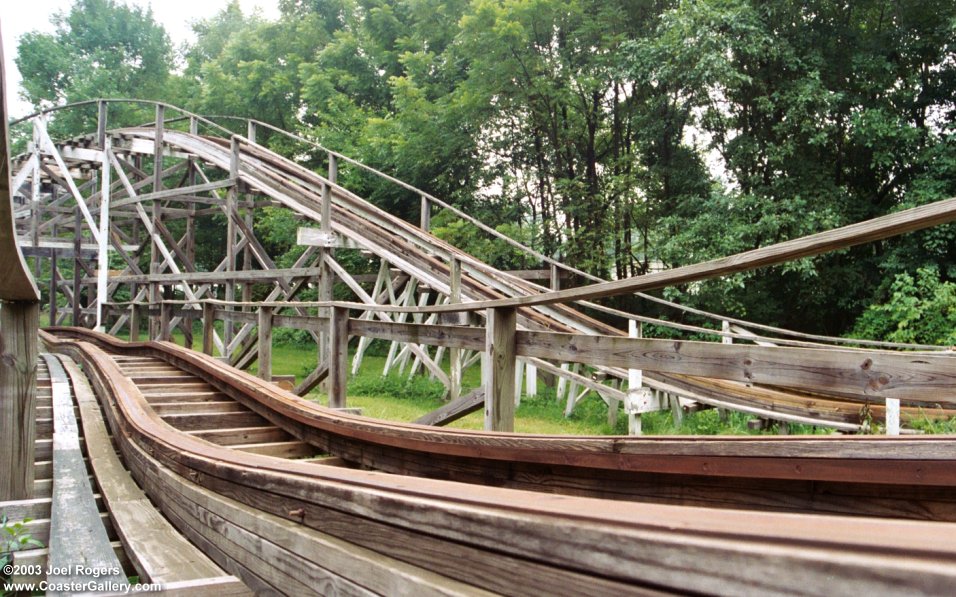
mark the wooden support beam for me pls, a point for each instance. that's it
(158, 149)
(338, 356)
(77, 261)
(426, 214)
(454, 354)
(265, 343)
(208, 319)
(165, 316)
(499, 372)
(101, 114)
(54, 280)
(18, 385)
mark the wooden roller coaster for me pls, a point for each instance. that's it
(276, 493)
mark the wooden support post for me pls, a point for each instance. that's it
(103, 259)
(208, 327)
(251, 131)
(454, 354)
(338, 356)
(892, 416)
(635, 378)
(101, 123)
(154, 298)
(158, 148)
(18, 388)
(77, 256)
(327, 195)
(725, 328)
(555, 278)
(54, 281)
(426, 214)
(134, 321)
(499, 369)
(231, 197)
(265, 343)
(165, 316)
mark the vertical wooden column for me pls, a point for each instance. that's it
(18, 386)
(498, 369)
(265, 343)
(208, 327)
(54, 282)
(338, 355)
(426, 214)
(454, 354)
(154, 298)
(165, 315)
(101, 123)
(326, 280)
(77, 268)
(555, 278)
(134, 321)
(635, 379)
(102, 258)
(231, 197)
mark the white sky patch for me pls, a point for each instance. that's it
(175, 16)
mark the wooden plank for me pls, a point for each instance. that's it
(242, 435)
(264, 370)
(465, 405)
(204, 421)
(18, 388)
(499, 372)
(78, 539)
(331, 565)
(287, 449)
(338, 356)
(157, 551)
(853, 373)
(312, 380)
(186, 407)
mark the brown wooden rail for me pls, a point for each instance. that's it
(884, 476)
(561, 544)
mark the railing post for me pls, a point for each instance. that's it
(498, 368)
(54, 282)
(555, 278)
(158, 148)
(635, 391)
(265, 343)
(327, 194)
(338, 355)
(165, 316)
(251, 131)
(77, 268)
(454, 354)
(134, 321)
(101, 123)
(426, 214)
(208, 321)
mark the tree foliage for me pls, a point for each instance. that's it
(621, 136)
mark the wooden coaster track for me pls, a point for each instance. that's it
(488, 538)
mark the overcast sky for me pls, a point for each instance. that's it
(21, 16)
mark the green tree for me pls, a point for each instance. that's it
(101, 48)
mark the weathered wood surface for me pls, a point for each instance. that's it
(562, 544)
(471, 402)
(913, 478)
(156, 550)
(78, 539)
(18, 370)
(498, 369)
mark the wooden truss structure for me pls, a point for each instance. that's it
(122, 207)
